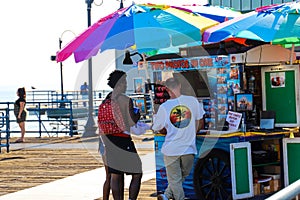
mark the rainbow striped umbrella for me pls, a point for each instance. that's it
(144, 26)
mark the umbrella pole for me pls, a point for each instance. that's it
(292, 53)
(145, 66)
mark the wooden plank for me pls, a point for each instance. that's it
(25, 168)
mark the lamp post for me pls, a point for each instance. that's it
(61, 78)
(121, 4)
(90, 128)
(53, 58)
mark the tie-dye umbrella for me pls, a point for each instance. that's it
(144, 26)
(274, 23)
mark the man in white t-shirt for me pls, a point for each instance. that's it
(181, 117)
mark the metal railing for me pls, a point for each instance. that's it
(44, 118)
(288, 192)
(4, 128)
(55, 96)
(49, 116)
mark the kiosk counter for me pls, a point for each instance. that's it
(232, 165)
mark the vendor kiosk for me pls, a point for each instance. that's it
(234, 164)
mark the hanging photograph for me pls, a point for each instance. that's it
(277, 79)
(140, 104)
(138, 85)
(234, 73)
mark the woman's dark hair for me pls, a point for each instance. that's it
(22, 92)
(114, 77)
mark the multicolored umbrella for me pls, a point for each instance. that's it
(145, 26)
(217, 13)
(268, 23)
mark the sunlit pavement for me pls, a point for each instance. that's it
(83, 186)
(86, 185)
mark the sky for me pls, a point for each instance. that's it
(30, 35)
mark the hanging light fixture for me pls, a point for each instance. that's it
(127, 60)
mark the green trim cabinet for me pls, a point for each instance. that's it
(241, 170)
(287, 106)
(291, 161)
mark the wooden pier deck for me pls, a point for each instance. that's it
(24, 168)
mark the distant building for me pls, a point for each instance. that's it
(245, 5)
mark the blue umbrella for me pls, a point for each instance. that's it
(217, 13)
(268, 23)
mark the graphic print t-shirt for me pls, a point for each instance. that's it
(179, 116)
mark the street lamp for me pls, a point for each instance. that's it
(127, 60)
(90, 128)
(121, 4)
(53, 58)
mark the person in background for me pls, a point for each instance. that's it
(120, 153)
(20, 112)
(181, 118)
(84, 92)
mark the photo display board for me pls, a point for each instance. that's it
(221, 78)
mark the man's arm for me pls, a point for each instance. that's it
(200, 122)
(163, 131)
(158, 121)
(199, 125)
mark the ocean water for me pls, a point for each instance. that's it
(8, 95)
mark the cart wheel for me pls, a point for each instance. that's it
(212, 176)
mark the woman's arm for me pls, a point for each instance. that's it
(22, 106)
(126, 106)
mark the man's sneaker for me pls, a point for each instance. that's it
(162, 197)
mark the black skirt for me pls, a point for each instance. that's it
(121, 155)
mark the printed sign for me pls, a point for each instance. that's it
(233, 118)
